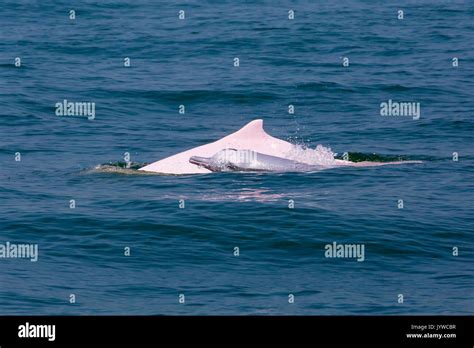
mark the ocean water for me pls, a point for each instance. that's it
(190, 251)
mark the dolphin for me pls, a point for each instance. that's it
(250, 137)
(250, 161)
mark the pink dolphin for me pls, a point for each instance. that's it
(250, 137)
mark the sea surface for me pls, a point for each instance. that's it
(419, 258)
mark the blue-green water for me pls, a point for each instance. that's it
(190, 251)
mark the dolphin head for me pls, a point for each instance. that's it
(222, 161)
(205, 162)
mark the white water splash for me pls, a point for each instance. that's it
(319, 155)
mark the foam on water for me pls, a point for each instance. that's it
(320, 155)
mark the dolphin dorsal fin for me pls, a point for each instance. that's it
(252, 129)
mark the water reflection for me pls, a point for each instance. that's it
(244, 195)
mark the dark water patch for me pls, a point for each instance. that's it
(325, 86)
(373, 157)
(130, 168)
